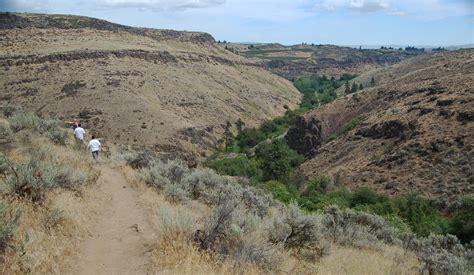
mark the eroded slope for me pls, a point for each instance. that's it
(413, 132)
(141, 87)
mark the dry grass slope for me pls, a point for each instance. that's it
(141, 87)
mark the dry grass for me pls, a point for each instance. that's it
(50, 230)
(391, 260)
(53, 230)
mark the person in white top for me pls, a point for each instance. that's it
(79, 133)
(94, 147)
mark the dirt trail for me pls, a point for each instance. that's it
(122, 237)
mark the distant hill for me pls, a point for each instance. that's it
(165, 89)
(412, 132)
(295, 61)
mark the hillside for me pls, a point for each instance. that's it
(165, 89)
(412, 132)
(296, 61)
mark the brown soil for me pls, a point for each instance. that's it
(121, 236)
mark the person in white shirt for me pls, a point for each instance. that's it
(94, 147)
(79, 133)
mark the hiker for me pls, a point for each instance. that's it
(79, 133)
(94, 147)
(74, 124)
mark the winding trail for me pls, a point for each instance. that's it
(122, 237)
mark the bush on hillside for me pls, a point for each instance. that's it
(234, 166)
(23, 120)
(440, 254)
(299, 231)
(4, 163)
(358, 229)
(48, 127)
(249, 137)
(9, 110)
(230, 233)
(277, 159)
(9, 218)
(6, 133)
(32, 177)
(139, 160)
(462, 224)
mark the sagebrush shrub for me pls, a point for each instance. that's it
(57, 136)
(6, 133)
(4, 163)
(31, 178)
(9, 110)
(23, 120)
(9, 218)
(442, 255)
(139, 160)
(358, 229)
(175, 193)
(298, 231)
(230, 233)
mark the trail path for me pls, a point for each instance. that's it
(122, 237)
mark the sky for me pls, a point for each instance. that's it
(339, 22)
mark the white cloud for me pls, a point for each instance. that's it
(426, 9)
(28, 5)
(157, 5)
(360, 6)
(367, 6)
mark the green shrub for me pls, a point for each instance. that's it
(277, 159)
(420, 215)
(350, 125)
(268, 127)
(249, 138)
(462, 224)
(363, 196)
(279, 191)
(8, 223)
(235, 166)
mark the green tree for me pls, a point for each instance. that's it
(249, 137)
(361, 87)
(277, 159)
(347, 87)
(227, 135)
(462, 224)
(240, 125)
(354, 87)
(372, 82)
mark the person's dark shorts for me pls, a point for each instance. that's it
(95, 155)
